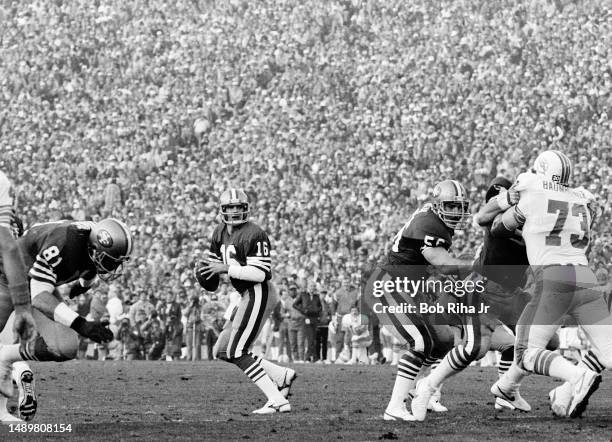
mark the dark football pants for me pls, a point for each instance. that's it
(62, 341)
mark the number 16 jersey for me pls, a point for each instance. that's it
(247, 245)
(557, 220)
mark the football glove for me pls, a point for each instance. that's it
(97, 331)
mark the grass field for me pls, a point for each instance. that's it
(161, 401)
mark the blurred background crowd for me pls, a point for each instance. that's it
(337, 118)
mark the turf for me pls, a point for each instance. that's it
(213, 401)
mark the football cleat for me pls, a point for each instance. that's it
(511, 398)
(560, 399)
(27, 396)
(290, 377)
(586, 385)
(6, 379)
(398, 414)
(434, 402)
(435, 405)
(424, 392)
(271, 408)
(500, 404)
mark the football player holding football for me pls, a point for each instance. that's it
(59, 253)
(556, 220)
(16, 289)
(424, 240)
(241, 249)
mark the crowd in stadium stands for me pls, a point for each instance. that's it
(336, 117)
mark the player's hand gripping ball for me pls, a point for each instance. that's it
(206, 280)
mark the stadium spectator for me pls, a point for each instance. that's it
(308, 304)
(193, 330)
(296, 328)
(340, 115)
(323, 327)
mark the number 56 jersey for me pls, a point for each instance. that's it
(557, 220)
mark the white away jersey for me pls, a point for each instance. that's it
(557, 221)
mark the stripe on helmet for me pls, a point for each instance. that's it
(566, 167)
(233, 195)
(128, 236)
(458, 190)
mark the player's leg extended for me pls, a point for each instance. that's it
(477, 331)
(254, 307)
(283, 377)
(558, 296)
(409, 328)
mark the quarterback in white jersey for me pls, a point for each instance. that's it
(555, 221)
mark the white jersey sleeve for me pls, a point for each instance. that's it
(557, 221)
(6, 201)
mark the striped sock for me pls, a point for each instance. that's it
(407, 370)
(454, 361)
(276, 372)
(257, 374)
(505, 362)
(254, 370)
(548, 363)
(458, 358)
(592, 363)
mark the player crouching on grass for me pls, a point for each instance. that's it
(241, 249)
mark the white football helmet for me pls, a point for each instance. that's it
(554, 166)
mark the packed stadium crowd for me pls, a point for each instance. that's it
(337, 118)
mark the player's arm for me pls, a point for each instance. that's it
(82, 285)
(42, 285)
(498, 204)
(505, 224)
(444, 262)
(258, 266)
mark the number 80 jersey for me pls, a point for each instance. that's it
(247, 245)
(557, 220)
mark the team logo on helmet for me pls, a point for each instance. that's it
(104, 238)
(542, 166)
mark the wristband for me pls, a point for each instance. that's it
(20, 295)
(502, 201)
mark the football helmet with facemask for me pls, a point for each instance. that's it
(110, 246)
(232, 199)
(451, 204)
(553, 165)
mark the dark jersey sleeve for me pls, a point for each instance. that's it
(214, 252)
(426, 230)
(50, 245)
(257, 252)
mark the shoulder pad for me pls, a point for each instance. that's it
(587, 195)
(524, 181)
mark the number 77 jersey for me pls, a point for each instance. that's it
(557, 220)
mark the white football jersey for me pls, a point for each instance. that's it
(6, 201)
(557, 221)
